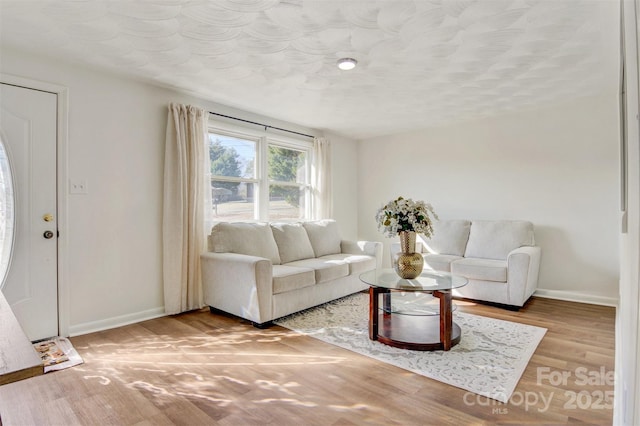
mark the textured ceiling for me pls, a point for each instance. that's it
(421, 62)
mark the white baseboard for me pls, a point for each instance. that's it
(571, 296)
(105, 324)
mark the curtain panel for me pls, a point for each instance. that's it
(186, 194)
(321, 179)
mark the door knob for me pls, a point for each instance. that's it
(47, 217)
(48, 234)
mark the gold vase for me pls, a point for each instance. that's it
(407, 263)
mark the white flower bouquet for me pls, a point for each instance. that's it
(406, 215)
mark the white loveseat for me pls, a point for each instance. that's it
(264, 271)
(499, 258)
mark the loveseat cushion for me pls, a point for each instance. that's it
(324, 236)
(358, 263)
(292, 241)
(481, 269)
(449, 237)
(325, 269)
(495, 239)
(253, 239)
(439, 262)
(287, 278)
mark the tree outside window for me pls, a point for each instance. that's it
(287, 176)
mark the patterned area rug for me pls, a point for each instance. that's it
(489, 360)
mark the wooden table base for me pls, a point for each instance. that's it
(414, 332)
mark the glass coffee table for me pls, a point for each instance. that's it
(414, 314)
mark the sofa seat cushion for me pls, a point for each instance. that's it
(253, 239)
(325, 269)
(358, 263)
(324, 236)
(439, 262)
(287, 278)
(293, 242)
(481, 269)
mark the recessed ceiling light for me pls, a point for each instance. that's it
(347, 63)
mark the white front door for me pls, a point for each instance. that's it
(28, 133)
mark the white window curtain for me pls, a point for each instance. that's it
(187, 197)
(321, 179)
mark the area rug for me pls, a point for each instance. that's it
(57, 353)
(488, 361)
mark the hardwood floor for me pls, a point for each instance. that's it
(200, 368)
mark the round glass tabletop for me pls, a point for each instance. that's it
(428, 280)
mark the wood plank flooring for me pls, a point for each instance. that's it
(204, 369)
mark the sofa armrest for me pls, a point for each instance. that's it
(370, 248)
(523, 265)
(238, 284)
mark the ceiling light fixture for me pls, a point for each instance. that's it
(346, 64)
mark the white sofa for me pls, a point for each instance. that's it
(264, 271)
(499, 258)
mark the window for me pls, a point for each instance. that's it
(7, 214)
(233, 176)
(288, 189)
(255, 176)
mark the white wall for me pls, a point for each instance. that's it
(557, 167)
(116, 143)
(344, 161)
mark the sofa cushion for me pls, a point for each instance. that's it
(495, 239)
(325, 269)
(324, 236)
(287, 278)
(481, 269)
(449, 237)
(292, 241)
(358, 263)
(439, 262)
(253, 239)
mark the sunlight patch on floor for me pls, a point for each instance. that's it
(288, 401)
(217, 359)
(102, 379)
